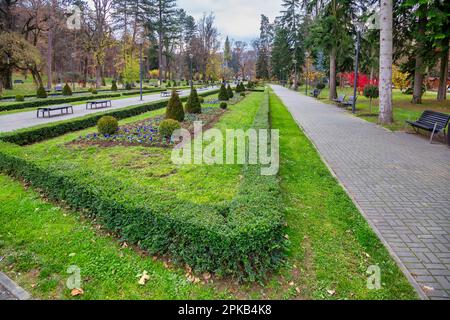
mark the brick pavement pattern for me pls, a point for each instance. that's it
(399, 181)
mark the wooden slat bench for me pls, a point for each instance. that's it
(349, 103)
(432, 121)
(64, 109)
(98, 104)
(340, 99)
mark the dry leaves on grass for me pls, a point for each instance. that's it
(143, 278)
(77, 292)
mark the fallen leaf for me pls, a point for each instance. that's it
(206, 276)
(291, 283)
(297, 289)
(427, 288)
(76, 292)
(144, 277)
(331, 292)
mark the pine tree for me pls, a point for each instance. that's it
(227, 52)
(223, 94)
(174, 108)
(230, 92)
(41, 93)
(193, 104)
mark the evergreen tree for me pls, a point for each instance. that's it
(174, 108)
(66, 90)
(193, 104)
(227, 53)
(230, 92)
(223, 94)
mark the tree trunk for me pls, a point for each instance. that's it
(418, 69)
(98, 76)
(442, 91)
(7, 79)
(333, 90)
(386, 114)
(85, 71)
(49, 59)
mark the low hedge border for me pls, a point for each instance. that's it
(41, 133)
(243, 238)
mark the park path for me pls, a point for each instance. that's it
(399, 181)
(20, 120)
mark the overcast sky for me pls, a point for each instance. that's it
(239, 19)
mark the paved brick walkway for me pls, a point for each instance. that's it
(20, 120)
(5, 294)
(399, 181)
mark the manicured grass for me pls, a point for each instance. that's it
(403, 108)
(40, 241)
(331, 245)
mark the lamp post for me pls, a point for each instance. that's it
(307, 72)
(359, 27)
(295, 74)
(141, 44)
(191, 57)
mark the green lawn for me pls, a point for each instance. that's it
(403, 108)
(331, 245)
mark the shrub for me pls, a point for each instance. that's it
(201, 99)
(320, 86)
(114, 86)
(66, 90)
(167, 127)
(90, 89)
(242, 94)
(41, 93)
(223, 94)
(175, 108)
(128, 86)
(193, 104)
(20, 98)
(371, 92)
(94, 91)
(107, 125)
(223, 105)
(230, 92)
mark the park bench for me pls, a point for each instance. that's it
(18, 82)
(340, 99)
(98, 104)
(432, 121)
(64, 109)
(350, 102)
(169, 93)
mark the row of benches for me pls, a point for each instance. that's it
(48, 112)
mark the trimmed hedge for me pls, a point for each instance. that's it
(37, 134)
(49, 102)
(243, 238)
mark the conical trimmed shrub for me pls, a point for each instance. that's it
(193, 104)
(41, 93)
(175, 108)
(230, 92)
(223, 94)
(66, 90)
(114, 86)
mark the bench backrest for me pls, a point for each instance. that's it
(341, 98)
(352, 98)
(430, 118)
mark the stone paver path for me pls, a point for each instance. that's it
(20, 120)
(5, 294)
(400, 182)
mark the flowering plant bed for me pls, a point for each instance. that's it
(146, 133)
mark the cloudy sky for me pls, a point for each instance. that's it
(239, 19)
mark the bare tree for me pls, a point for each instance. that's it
(386, 21)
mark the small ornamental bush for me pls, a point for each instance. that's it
(107, 125)
(114, 86)
(201, 99)
(20, 98)
(193, 104)
(41, 93)
(230, 92)
(320, 86)
(371, 92)
(128, 86)
(223, 105)
(223, 94)
(66, 90)
(175, 108)
(242, 94)
(167, 127)
(94, 91)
